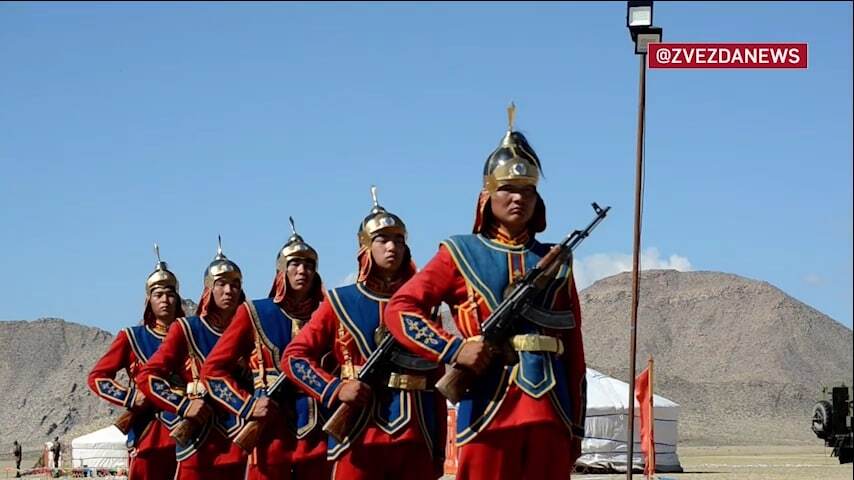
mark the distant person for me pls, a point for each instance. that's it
(56, 449)
(16, 452)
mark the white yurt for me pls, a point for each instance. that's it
(104, 448)
(604, 447)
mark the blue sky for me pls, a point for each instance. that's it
(125, 124)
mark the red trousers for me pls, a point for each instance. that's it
(317, 468)
(154, 454)
(529, 452)
(403, 461)
(217, 459)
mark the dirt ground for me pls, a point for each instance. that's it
(751, 463)
(719, 463)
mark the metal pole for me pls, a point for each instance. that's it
(636, 264)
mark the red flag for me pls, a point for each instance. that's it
(643, 394)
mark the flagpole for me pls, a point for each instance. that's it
(652, 415)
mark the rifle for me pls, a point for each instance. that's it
(340, 423)
(519, 302)
(248, 436)
(125, 421)
(186, 428)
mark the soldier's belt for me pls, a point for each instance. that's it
(536, 343)
(350, 371)
(271, 379)
(404, 381)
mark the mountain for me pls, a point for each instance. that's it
(744, 360)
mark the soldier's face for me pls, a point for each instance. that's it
(300, 273)
(226, 293)
(164, 303)
(388, 251)
(513, 205)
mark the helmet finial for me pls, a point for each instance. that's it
(374, 196)
(511, 116)
(293, 227)
(157, 251)
(219, 246)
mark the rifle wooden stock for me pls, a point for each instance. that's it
(340, 422)
(184, 432)
(247, 439)
(454, 383)
(125, 421)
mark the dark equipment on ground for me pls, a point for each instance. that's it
(831, 422)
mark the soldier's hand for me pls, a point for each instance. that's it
(198, 411)
(264, 408)
(475, 355)
(138, 401)
(355, 393)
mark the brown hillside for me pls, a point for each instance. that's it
(745, 361)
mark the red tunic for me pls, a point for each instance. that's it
(216, 455)
(277, 445)
(320, 336)
(153, 455)
(373, 447)
(441, 281)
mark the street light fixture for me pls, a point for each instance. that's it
(639, 23)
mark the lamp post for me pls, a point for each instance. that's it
(639, 23)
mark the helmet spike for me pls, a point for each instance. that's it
(374, 195)
(219, 245)
(293, 227)
(511, 116)
(157, 252)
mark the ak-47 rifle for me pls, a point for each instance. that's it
(248, 436)
(126, 421)
(340, 423)
(519, 302)
(186, 428)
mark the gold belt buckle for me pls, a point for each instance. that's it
(350, 371)
(403, 381)
(537, 343)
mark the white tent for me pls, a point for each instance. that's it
(104, 448)
(604, 446)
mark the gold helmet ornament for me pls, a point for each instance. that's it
(514, 162)
(293, 249)
(379, 221)
(161, 277)
(220, 267)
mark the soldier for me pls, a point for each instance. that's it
(260, 331)
(398, 433)
(150, 449)
(524, 415)
(209, 454)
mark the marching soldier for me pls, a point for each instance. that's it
(150, 449)
(260, 331)
(399, 428)
(208, 452)
(524, 415)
